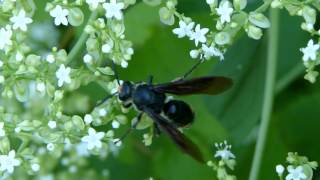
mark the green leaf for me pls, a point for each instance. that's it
(138, 30)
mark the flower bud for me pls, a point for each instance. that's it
(152, 2)
(4, 145)
(258, 19)
(75, 17)
(222, 38)
(33, 60)
(166, 16)
(239, 4)
(92, 44)
(254, 32)
(78, 122)
(311, 76)
(309, 14)
(61, 55)
(276, 4)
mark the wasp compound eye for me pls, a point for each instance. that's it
(179, 112)
(125, 91)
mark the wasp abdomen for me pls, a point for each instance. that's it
(179, 112)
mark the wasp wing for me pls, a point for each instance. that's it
(184, 143)
(203, 85)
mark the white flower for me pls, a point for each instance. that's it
(102, 112)
(50, 147)
(50, 58)
(208, 52)
(115, 124)
(224, 11)
(124, 64)
(88, 119)
(110, 134)
(93, 139)
(60, 15)
(199, 35)
(73, 169)
(106, 48)
(20, 21)
(310, 52)
(87, 59)
(194, 53)
(82, 149)
(5, 36)
(130, 51)
(17, 129)
(295, 173)
(94, 3)
(184, 29)
(113, 9)
(35, 167)
(2, 132)
(224, 151)
(52, 124)
(210, 2)
(63, 75)
(19, 56)
(41, 87)
(8, 162)
(279, 169)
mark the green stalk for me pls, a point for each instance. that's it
(81, 41)
(268, 94)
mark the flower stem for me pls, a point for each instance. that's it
(268, 94)
(81, 41)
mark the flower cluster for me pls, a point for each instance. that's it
(299, 168)
(308, 11)
(226, 160)
(36, 124)
(229, 20)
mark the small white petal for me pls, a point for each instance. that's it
(35, 167)
(88, 119)
(52, 124)
(115, 124)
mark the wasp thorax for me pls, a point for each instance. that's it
(125, 91)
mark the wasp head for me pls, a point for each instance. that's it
(125, 91)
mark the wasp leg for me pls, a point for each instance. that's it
(150, 79)
(189, 71)
(157, 130)
(130, 129)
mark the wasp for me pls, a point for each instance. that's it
(168, 116)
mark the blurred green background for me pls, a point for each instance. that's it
(232, 116)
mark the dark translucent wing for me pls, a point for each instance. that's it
(203, 85)
(184, 143)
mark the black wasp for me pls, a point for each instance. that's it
(168, 116)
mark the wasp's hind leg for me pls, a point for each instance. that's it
(189, 71)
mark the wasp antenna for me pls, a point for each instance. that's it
(115, 72)
(105, 99)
